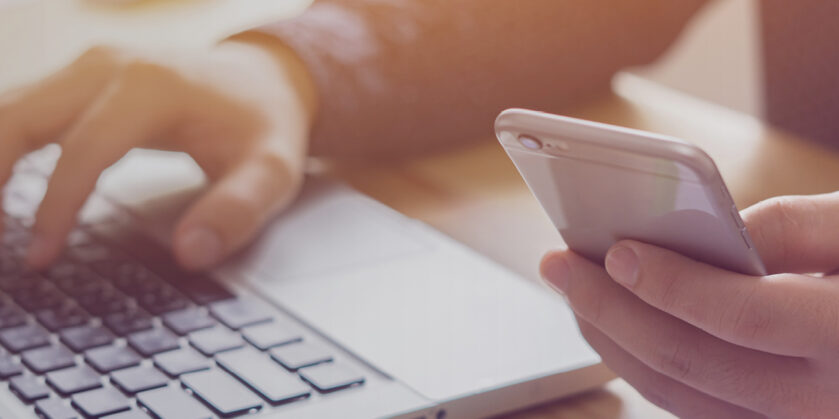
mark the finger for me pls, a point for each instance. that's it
(783, 314)
(119, 120)
(232, 212)
(791, 233)
(663, 391)
(40, 113)
(668, 345)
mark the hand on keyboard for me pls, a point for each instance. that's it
(242, 110)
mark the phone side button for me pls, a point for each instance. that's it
(735, 214)
(746, 238)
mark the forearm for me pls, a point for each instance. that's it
(398, 77)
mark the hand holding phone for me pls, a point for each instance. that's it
(600, 184)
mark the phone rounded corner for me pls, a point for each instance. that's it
(698, 160)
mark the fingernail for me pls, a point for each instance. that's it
(622, 266)
(40, 251)
(556, 273)
(200, 248)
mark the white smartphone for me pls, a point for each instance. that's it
(600, 184)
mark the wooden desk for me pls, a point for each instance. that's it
(476, 196)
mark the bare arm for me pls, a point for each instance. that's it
(401, 76)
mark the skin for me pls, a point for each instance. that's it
(703, 342)
(242, 110)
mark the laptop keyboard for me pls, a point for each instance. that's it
(115, 330)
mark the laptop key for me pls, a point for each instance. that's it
(48, 358)
(29, 388)
(187, 321)
(201, 290)
(128, 322)
(181, 361)
(100, 402)
(73, 380)
(298, 355)
(41, 296)
(62, 317)
(8, 367)
(130, 414)
(55, 409)
(215, 340)
(331, 376)
(111, 358)
(239, 313)
(173, 403)
(153, 341)
(24, 337)
(105, 300)
(269, 335)
(10, 316)
(221, 392)
(83, 338)
(163, 300)
(262, 375)
(137, 379)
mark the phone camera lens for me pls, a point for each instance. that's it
(530, 142)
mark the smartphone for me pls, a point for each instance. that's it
(600, 184)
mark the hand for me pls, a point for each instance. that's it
(242, 110)
(703, 342)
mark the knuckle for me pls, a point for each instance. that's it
(746, 318)
(675, 361)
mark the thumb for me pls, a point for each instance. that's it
(796, 234)
(232, 212)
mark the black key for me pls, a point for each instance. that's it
(128, 322)
(200, 289)
(238, 313)
(44, 295)
(131, 278)
(269, 335)
(331, 376)
(137, 379)
(85, 337)
(173, 403)
(162, 300)
(29, 388)
(299, 355)
(182, 361)
(10, 315)
(187, 321)
(215, 340)
(24, 337)
(48, 358)
(131, 414)
(111, 358)
(154, 341)
(221, 392)
(80, 283)
(73, 380)
(264, 376)
(100, 402)
(55, 409)
(62, 317)
(8, 366)
(105, 300)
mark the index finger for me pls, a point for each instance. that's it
(786, 314)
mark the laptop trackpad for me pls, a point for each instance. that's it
(330, 228)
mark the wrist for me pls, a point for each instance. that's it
(288, 65)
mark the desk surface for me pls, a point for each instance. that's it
(473, 194)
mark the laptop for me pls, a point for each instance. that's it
(343, 308)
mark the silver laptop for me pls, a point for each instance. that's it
(342, 309)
